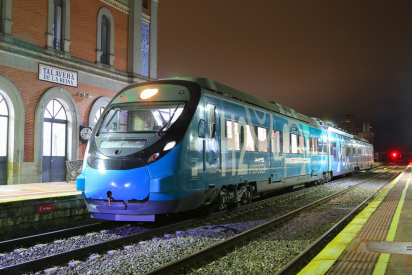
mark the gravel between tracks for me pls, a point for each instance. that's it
(271, 251)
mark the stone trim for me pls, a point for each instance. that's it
(117, 5)
(40, 55)
(72, 114)
(102, 101)
(15, 146)
(145, 17)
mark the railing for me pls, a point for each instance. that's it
(57, 44)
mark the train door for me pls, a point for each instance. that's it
(54, 143)
(276, 159)
(212, 150)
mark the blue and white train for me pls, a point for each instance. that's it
(180, 144)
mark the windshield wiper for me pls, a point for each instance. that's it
(164, 126)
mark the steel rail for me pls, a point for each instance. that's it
(230, 242)
(96, 248)
(9, 245)
(295, 265)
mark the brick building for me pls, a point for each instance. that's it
(61, 61)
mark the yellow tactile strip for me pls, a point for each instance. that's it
(355, 263)
(330, 254)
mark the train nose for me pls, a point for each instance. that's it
(130, 184)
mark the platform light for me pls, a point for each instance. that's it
(170, 145)
(148, 93)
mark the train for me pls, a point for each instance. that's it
(174, 145)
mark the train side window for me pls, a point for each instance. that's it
(250, 141)
(294, 143)
(262, 138)
(232, 134)
(211, 120)
(201, 128)
(276, 142)
(359, 152)
(334, 151)
(320, 147)
(301, 145)
(315, 146)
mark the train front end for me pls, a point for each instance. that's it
(130, 164)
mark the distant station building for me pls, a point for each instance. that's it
(348, 123)
(61, 61)
(371, 137)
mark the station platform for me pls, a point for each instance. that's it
(36, 190)
(378, 241)
(34, 205)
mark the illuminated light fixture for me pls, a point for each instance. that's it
(148, 93)
(170, 145)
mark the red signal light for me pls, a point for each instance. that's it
(394, 154)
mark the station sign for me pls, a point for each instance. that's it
(44, 208)
(57, 75)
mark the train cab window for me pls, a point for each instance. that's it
(294, 143)
(301, 145)
(211, 120)
(142, 117)
(232, 135)
(262, 139)
(250, 140)
(276, 142)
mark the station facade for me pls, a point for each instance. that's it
(61, 62)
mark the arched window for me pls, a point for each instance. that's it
(97, 110)
(57, 25)
(4, 120)
(1, 15)
(103, 58)
(105, 37)
(98, 115)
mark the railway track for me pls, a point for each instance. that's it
(39, 264)
(237, 239)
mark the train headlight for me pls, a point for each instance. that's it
(169, 146)
(148, 93)
(153, 158)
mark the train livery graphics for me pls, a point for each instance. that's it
(180, 144)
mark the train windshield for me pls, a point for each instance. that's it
(141, 117)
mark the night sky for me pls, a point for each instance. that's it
(321, 58)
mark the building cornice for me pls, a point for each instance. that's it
(40, 55)
(116, 4)
(145, 17)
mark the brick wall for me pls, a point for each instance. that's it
(31, 89)
(30, 26)
(30, 21)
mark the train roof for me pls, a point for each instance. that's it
(272, 106)
(236, 94)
